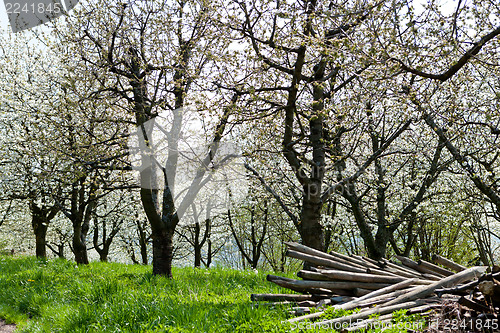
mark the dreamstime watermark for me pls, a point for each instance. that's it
(26, 14)
(174, 152)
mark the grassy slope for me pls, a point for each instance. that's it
(61, 297)
(58, 296)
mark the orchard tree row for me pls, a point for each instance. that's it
(214, 131)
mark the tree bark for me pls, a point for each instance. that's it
(310, 229)
(80, 247)
(40, 229)
(81, 210)
(163, 252)
(40, 220)
(197, 246)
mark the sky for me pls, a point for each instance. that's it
(448, 6)
(4, 21)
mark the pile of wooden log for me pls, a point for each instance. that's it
(382, 287)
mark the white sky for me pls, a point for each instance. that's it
(448, 6)
(4, 21)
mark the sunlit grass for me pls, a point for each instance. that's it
(58, 296)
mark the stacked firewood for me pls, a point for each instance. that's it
(380, 287)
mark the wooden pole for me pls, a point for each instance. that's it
(419, 274)
(308, 275)
(323, 261)
(435, 268)
(412, 264)
(449, 281)
(360, 277)
(307, 284)
(448, 263)
(287, 297)
(385, 291)
(381, 310)
(402, 270)
(358, 292)
(333, 256)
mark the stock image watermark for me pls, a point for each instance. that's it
(360, 323)
(174, 152)
(26, 14)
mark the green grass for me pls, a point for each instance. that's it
(58, 296)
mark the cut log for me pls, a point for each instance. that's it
(271, 277)
(332, 256)
(273, 305)
(373, 300)
(448, 263)
(374, 263)
(286, 297)
(323, 261)
(360, 277)
(402, 268)
(386, 290)
(316, 276)
(341, 299)
(447, 282)
(364, 314)
(288, 283)
(358, 292)
(414, 265)
(308, 304)
(395, 269)
(354, 258)
(390, 291)
(306, 284)
(463, 289)
(401, 277)
(419, 274)
(424, 308)
(435, 268)
(324, 303)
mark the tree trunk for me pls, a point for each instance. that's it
(40, 229)
(197, 256)
(209, 254)
(163, 253)
(40, 219)
(143, 241)
(40, 225)
(197, 245)
(79, 245)
(60, 250)
(310, 228)
(144, 252)
(103, 256)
